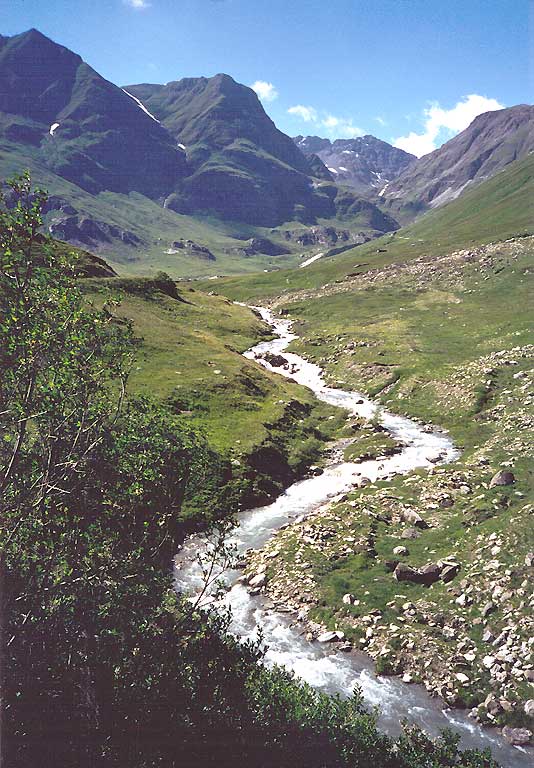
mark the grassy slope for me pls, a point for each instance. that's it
(499, 208)
(190, 354)
(442, 335)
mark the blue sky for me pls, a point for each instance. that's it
(412, 72)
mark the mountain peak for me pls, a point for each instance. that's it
(492, 141)
(365, 163)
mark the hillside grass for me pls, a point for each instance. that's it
(497, 209)
(189, 354)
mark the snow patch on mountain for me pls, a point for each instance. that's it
(311, 260)
(141, 106)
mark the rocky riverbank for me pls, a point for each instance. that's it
(430, 574)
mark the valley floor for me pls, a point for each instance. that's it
(435, 339)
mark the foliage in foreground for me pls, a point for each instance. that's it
(103, 665)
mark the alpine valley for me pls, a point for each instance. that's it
(347, 331)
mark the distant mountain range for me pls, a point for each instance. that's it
(199, 145)
(132, 171)
(366, 163)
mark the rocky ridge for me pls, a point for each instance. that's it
(365, 163)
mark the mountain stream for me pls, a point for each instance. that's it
(318, 663)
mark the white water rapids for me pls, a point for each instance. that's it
(323, 667)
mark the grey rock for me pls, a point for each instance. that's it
(258, 581)
(487, 609)
(330, 637)
(517, 736)
(429, 574)
(503, 477)
(405, 572)
(410, 533)
(414, 518)
(449, 572)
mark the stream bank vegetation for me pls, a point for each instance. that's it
(103, 664)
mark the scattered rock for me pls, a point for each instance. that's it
(330, 637)
(410, 533)
(503, 477)
(461, 678)
(487, 609)
(413, 517)
(449, 572)
(400, 551)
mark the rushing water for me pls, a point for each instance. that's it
(323, 667)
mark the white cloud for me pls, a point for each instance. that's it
(308, 114)
(381, 121)
(266, 91)
(341, 127)
(334, 127)
(139, 5)
(442, 124)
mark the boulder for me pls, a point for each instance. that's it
(487, 609)
(529, 559)
(449, 571)
(277, 361)
(503, 477)
(529, 708)
(517, 736)
(400, 551)
(429, 574)
(258, 581)
(405, 572)
(348, 599)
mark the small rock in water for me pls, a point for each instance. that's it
(517, 736)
